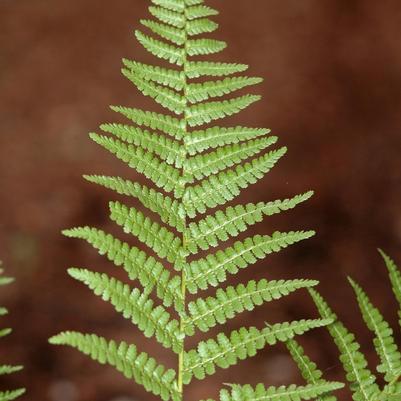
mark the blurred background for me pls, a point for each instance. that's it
(332, 93)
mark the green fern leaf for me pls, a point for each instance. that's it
(169, 210)
(363, 382)
(8, 369)
(11, 395)
(193, 2)
(163, 242)
(174, 35)
(226, 351)
(203, 47)
(229, 223)
(308, 369)
(169, 17)
(134, 305)
(167, 98)
(282, 393)
(204, 91)
(200, 12)
(168, 125)
(199, 26)
(384, 341)
(5, 280)
(139, 266)
(395, 278)
(126, 359)
(5, 332)
(196, 69)
(213, 269)
(162, 50)
(205, 113)
(202, 166)
(173, 5)
(163, 175)
(168, 150)
(163, 76)
(209, 312)
(227, 185)
(198, 141)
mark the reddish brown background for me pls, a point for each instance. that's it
(332, 92)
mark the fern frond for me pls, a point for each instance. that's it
(363, 382)
(202, 166)
(384, 340)
(211, 138)
(308, 369)
(169, 210)
(126, 359)
(227, 185)
(163, 242)
(204, 113)
(139, 266)
(226, 304)
(199, 92)
(226, 351)
(213, 269)
(197, 69)
(395, 278)
(160, 173)
(199, 170)
(168, 125)
(282, 393)
(133, 305)
(160, 49)
(229, 223)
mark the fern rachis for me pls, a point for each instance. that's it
(194, 169)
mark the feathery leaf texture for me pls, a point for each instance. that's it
(134, 305)
(126, 359)
(194, 170)
(384, 341)
(8, 395)
(225, 351)
(207, 313)
(363, 383)
(395, 278)
(309, 370)
(282, 393)
(213, 269)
